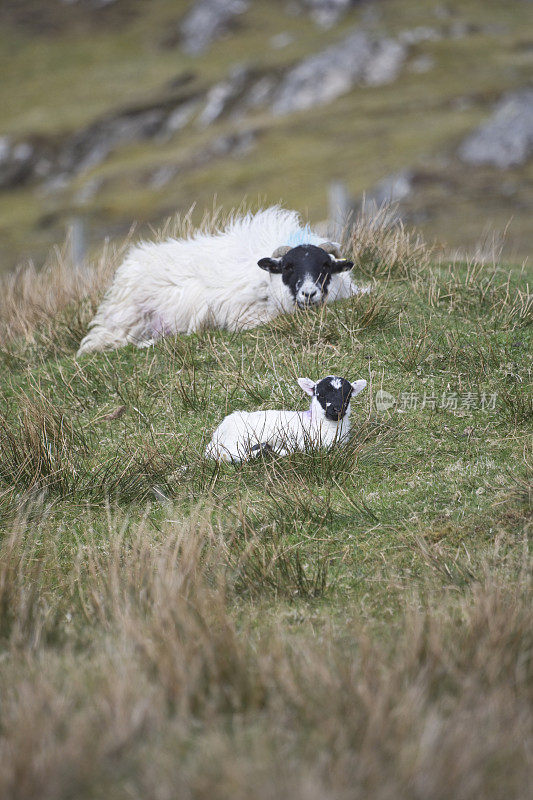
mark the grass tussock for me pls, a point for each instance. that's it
(45, 451)
(517, 402)
(31, 299)
(481, 288)
(40, 453)
(383, 248)
(328, 325)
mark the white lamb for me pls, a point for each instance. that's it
(257, 267)
(243, 435)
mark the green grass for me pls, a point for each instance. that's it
(170, 625)
(455, 335)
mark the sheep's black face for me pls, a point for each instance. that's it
(306, 270)
(334, 396)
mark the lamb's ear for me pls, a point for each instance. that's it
(340, 264)
(307, 385)
(271, 265)
(358, 386)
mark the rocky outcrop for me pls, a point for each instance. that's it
(93, 144)
(360, 59)
(25, 161)
(506, 139)
(233, 145)
(224, 96)
(206, 21)
(57, 158)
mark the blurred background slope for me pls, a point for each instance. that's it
(114, 111)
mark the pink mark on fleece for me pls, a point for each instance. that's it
(307, 415)
(157, 324)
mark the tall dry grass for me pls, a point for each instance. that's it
(157, 687)
(383, 248)
(31, 298)
(67, 295)
(59, 300)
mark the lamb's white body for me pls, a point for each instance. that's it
(281, 431)
(182, 285)
(245, 434)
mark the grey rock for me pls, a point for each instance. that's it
(223, 95)
(281, 40)
(43, 167)
(179, 118)
(392, 189)
(16, 162)
(358, 59)
(260, 93)
(56, 159)
(422, 64)
(506, 139)
(92, 145)
(206, 21)
(22, 152)
(423, 33)
(5, 148)
(88, 190)
(327, 13)
(386, 62)
(243, 90)
(162, 176)
(233, 145)
(56, 184)
(236, 145)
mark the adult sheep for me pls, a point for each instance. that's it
(258, 266)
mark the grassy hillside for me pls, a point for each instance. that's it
(355, 624)
(59, 80)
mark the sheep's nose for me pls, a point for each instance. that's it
(309, 295)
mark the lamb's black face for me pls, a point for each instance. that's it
(306, 270)
(334, 395)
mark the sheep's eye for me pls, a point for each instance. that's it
(288, 267)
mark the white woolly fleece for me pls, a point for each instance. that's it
(245, 434)
(282, 431)
(181, 285)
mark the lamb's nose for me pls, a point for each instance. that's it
(309, 295)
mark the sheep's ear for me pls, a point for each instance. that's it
(307, 385)
(271, 265)
(358, 386)
(340, 264)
